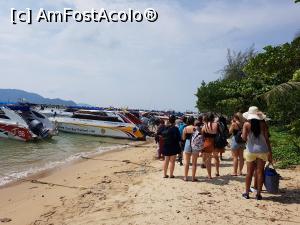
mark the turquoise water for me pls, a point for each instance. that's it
(20, 159)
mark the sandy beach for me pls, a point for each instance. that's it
(126, 187)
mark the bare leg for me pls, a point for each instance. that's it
(166, 165)
(260, 166)
(187, 157)
(217, 162)
(250, 170)
(208, 157)
(172, 165)
(194, 168)
(235, 161)
(203, 160)
(255, 181)
(241, 161)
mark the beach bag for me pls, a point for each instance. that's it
(220, 139)
(197, 141)
(271, 179)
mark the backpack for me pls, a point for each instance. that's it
(220, 138)
(197, 141)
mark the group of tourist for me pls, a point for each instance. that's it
(206, 137)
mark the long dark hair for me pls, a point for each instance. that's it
(190, 120)
(255, 127)
(211, 119)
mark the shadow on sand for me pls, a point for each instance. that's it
(285, 196)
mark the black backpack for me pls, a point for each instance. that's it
(220, 139)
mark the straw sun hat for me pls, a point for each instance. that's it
(254, 113)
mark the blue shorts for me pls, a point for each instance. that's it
(188, 148)
(235, 146)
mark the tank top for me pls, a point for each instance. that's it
(257, 144)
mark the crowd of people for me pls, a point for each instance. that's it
(187, 139)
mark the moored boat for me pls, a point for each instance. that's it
(98, 123)
(21, 122)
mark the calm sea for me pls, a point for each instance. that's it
(20, 159)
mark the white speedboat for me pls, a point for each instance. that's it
(21, 122)
(98, 123)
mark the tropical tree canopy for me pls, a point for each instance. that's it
(269, 79)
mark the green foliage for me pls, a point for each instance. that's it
(269, 81)
(286, 150)
(295, 127)
(296, 76)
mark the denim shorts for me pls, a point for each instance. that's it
(235, 146)
(188, 147)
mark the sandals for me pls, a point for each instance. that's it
(258, 197)
(195, 180)
(172, 176)
(245, 195)
(166, 176)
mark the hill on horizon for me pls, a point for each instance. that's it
(14, 95)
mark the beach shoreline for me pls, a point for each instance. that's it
(125, 186)
(45, 171)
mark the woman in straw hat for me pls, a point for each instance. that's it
(258, 148)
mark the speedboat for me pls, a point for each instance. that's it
(21, 122)
(97, 122)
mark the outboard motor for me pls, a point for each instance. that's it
(38, 129)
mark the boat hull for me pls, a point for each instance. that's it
(14, 132)
(117, 131)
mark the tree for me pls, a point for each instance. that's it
(236, 61)
(270, 80)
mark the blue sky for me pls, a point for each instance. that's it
(148, 65)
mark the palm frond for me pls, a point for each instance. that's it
(280, 91)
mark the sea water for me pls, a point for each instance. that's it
(20, 159)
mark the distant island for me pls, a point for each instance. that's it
(14, 95)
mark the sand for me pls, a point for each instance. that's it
(126, 187)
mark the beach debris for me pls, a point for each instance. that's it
(78, 177)
(178, 211)
(126, 161)
(50, 213)
(204, 193)
(5, 220)
(272, 219)
(106, 181)
(43, 196)
(86, 193)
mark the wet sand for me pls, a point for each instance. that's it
(126, 187)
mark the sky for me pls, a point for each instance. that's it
(146, 65)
